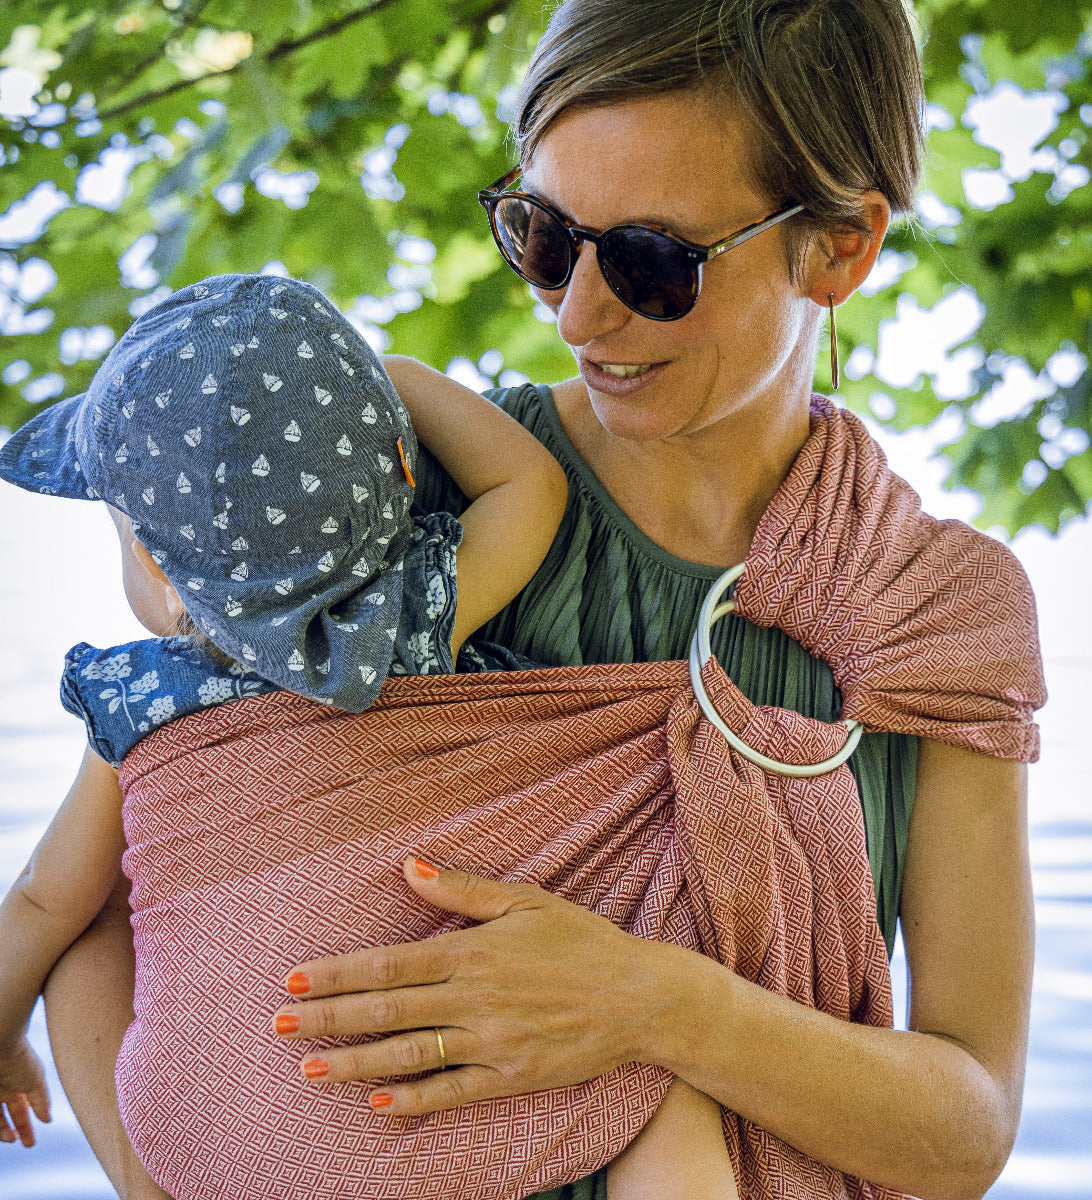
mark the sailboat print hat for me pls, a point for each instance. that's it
(252, 437)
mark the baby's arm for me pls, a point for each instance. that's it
(518, 490)
(679, 1155)
(70, 874)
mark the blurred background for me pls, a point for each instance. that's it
(144, 145)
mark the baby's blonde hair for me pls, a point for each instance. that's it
(187, 627)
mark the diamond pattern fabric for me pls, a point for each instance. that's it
(268, 831)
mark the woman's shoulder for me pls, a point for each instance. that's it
(885, 500)
(936, 631)
(533, 406)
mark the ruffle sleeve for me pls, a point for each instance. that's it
(126, 692)
(422, 641)
(87, 696)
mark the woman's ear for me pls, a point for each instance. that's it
(840, 261)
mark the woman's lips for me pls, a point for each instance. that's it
(619, 379)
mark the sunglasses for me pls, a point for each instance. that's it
(653, 272)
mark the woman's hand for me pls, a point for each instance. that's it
(22, 1090)
(540, 995)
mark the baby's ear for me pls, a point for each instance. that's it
(146, 561)
(174, 602)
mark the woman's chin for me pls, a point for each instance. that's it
(632, 421)
(631, 408)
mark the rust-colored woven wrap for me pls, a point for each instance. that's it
(929, 626)
(271, 830)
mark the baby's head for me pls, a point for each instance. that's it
(250, 436)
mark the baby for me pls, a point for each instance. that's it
(258, 466)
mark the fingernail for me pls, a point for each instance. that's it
(315, 1068)
(380, 1099)
(298, 984)
(427, 871)
(286, 1023)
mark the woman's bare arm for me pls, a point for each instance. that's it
(932, 1111)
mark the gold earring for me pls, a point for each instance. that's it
(835, 376)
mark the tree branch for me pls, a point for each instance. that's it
(280, 50)
(151, 59)
(179, 85)
(283, 48)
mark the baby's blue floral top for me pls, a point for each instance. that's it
(127, 691)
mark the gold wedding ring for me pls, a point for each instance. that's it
(440, 1044)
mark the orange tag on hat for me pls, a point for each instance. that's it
(405, 465)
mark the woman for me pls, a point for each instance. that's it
(701, 119)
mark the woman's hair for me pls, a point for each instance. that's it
(832, 88)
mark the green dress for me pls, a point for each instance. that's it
(608, 593)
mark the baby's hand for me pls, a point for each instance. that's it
(22, 1088)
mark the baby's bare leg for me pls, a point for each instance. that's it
(679, 1155)
(89, 1004)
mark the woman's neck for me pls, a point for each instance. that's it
(699, 497)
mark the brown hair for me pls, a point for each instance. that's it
(833, 89)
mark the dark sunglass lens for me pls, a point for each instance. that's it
(534, 241)
(649, 272)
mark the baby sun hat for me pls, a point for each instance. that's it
(256, 443)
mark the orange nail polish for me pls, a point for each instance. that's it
(380, 1099)
(316, 1068)
(405, 465)
(286, 1023)
(426, 870)
(298, 984)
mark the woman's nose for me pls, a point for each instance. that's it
(586, 308)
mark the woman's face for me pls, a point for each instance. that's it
(750, 338)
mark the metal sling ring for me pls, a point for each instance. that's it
(700, 653)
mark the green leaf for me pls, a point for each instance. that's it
(324, 82)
